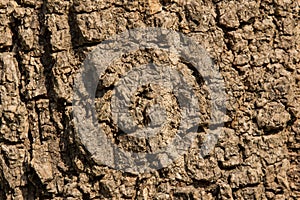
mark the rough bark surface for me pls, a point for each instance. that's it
(256, 45)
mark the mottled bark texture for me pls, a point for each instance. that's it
(256, 45)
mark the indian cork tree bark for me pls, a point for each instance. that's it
(256, 45)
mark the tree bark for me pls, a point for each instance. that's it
(255, 44)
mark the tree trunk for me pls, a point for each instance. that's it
(256, 46)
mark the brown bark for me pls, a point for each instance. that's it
(256, 45)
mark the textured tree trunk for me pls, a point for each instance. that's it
(256, 45)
